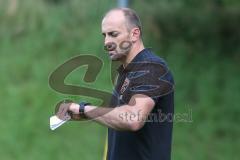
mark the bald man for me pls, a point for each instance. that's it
(139, 116)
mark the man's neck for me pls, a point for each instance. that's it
(135, 50)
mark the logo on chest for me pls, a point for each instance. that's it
(125, 85)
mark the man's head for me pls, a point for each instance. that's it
(122, 30)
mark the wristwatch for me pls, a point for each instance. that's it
(82, 108)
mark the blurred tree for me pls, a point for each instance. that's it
(12, 8)
(55, 1)
(212, 24)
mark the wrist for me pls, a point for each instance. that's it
(74, 108)
(81, 110)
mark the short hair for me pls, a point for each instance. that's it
(131, 17)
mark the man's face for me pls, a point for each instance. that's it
(116, 35)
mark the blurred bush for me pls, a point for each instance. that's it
(201, 24)
(199, 40)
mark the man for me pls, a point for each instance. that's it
(138, 116)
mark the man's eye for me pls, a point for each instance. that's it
(114, 34)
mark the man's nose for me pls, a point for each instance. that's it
(106, 40)
(110, 46)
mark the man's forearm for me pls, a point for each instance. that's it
(120, 118)
(126, 117)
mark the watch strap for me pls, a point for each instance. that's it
(82, 108)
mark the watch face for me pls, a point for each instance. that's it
(82, 107)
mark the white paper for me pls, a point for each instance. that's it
(56, 122)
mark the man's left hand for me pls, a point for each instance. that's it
(66, 109)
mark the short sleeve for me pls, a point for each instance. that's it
(151, 79)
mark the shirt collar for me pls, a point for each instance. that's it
(138, 58)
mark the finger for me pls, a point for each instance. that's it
(75, 117)
(63, 109)
(60, 103)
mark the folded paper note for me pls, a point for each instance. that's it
(56, 122)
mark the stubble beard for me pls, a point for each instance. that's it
(120, 54)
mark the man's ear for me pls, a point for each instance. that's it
(135, 34)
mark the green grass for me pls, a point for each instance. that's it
(38, 39)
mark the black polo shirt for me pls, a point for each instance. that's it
(149, 75)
